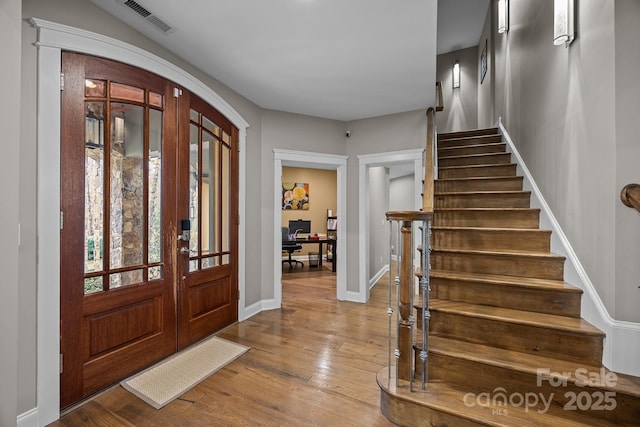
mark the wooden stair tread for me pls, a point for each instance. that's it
(494, 144)
(480, 183)
(523, 217)
(488, 209)
(480, 178)
(476, 166)
(473, 156)
(489, 229)
(527, 282)
(509, 253)
(530, 318)
(472, 133)
(470, 193)
(448, 399)
(525, 362)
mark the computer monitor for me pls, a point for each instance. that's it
(297, 226)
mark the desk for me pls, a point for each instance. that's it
(318, 242)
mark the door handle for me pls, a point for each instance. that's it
(184, 250)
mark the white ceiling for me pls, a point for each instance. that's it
(341, 60)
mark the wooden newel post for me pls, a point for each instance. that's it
(405, 301)
(405, 315)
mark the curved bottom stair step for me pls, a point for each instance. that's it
(484, 369)
(443, 405)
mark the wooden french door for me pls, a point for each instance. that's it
(133, 287)
(208, 200)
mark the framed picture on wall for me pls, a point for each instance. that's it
(483, 61)
(295, 195)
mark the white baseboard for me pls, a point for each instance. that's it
(353, 297)
(28, 419)
(378, 275)
(622, 343)
(263, 305)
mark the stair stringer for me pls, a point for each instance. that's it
(622, 342)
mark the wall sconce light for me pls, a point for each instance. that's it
(503, 16)
(563, 22)
(456, 75)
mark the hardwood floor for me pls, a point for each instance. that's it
(313, 362)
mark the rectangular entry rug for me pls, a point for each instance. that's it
(167, 380)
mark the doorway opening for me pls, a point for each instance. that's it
(409, 160)
(311, 161)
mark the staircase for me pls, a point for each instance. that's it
(507, 346)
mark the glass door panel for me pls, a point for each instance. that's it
(209, 193)
(194, 192)
(123, 165)
(127, 225)
(154, 183)
(117, 235)
(210, 269)
(93, 195)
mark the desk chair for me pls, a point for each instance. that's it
(290, 248)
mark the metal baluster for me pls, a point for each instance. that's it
(397, 282)
(389, 309)
(412, 318)
(424, 281)
(426, 313)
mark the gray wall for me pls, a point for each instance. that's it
(571, 113)
(401, 193)
(378, 226)
(485, 88)
(10, 34)
(400, 199)
(461, 104)
(627, 137)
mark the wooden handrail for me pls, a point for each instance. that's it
(427, 192)
(630, 196)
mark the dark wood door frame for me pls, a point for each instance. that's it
(89, 364)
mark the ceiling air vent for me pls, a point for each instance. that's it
(147, 15)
